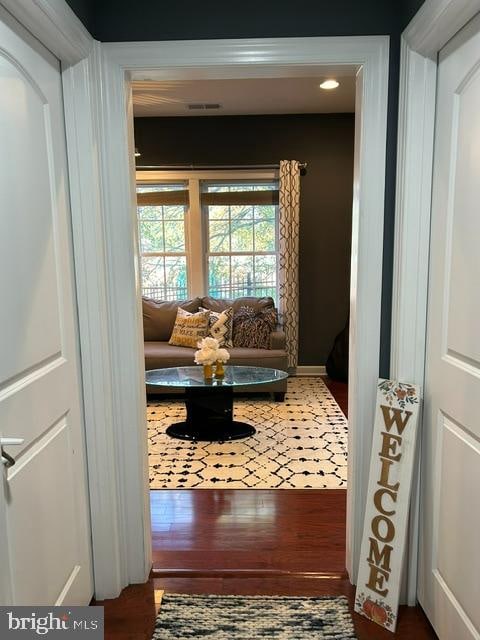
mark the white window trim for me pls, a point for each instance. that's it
(195, 227)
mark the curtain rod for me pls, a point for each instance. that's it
(200, 167)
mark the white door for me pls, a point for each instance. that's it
(44, 526)
(449, 585)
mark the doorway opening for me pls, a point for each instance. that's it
(209, 207)
(120, 65)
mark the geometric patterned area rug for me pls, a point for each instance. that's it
(300, 443)
(253, 618)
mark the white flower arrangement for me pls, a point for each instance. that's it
(208, 343)
(209, 352)
(222, 355)
(205, 356)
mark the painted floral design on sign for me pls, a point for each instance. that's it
(399, 393)
(376, 610)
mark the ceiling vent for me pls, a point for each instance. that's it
(202, 106)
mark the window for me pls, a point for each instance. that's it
(162, 211)
(242, 240)
(209, 236)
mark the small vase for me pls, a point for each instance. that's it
(208, 371)
(219, 369)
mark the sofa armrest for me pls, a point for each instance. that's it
(277, 339)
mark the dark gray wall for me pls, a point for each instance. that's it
(409, 9)
(325, 142)
(84, 10)
(128, 20)
(125, 20)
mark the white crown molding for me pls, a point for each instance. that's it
(55, 25)
(241, 58)
(436, 22)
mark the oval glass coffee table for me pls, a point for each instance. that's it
(210, 402)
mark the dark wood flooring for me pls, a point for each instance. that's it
(339, 391)
(271, 542)
(212, 530)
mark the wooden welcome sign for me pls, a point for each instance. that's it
(386, 513)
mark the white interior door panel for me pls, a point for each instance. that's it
(43, 499)
(449, 587)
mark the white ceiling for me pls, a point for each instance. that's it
(252, 96)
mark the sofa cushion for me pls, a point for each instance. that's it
(273, 358)
(161, 354)
(218, 304)
(159, 316)
(189, 328)
(221, 326)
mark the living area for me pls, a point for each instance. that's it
(240, 246)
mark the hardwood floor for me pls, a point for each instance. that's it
(211, 530)
(339, 391)
(272, 542)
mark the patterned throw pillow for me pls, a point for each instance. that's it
(221, 326)
(189, 328)
(252, 328)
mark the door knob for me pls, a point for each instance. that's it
(7, 459)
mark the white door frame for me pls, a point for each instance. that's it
(100, 149)
(432, 27)
(121, 62)
(245, 58)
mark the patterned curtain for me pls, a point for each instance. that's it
(289, 219)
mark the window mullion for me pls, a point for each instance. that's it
(195, 258)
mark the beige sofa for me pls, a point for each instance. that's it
(159, 318)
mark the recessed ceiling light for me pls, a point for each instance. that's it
(329, 84)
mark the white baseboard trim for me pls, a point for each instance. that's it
(307, 370)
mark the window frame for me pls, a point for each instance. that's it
(162, 254)
(196, 230)
(253, 253)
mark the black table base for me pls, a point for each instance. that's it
(210, 417)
